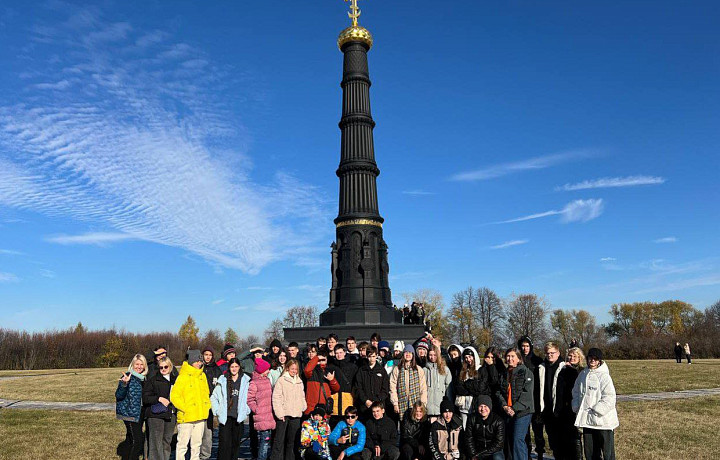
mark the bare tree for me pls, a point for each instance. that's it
(461, 316)
(489, 313)
(301, 316)
(274, 331)
(526, 315)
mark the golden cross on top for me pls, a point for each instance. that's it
(354, 14)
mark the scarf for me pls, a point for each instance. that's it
(408, 392)
(509, 390)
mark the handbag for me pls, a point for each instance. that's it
(329, 402)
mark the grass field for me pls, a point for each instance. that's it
(71, 385)
(652, 376)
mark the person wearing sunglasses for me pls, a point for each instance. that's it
(159, 413)
(594, 401)
(321, 382)
(347, 440)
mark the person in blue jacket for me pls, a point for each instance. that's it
(229, 404)
(347, 440)
(128, 405)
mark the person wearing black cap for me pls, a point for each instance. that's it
(594, 402)
(445, 433)
(381, 437)
(485, 432)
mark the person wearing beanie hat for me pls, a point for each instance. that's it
(421, 352)
(407, 383)
(260, 403)
(485, 432)
(445, 434)
(191, 397)
(398, 346)
(594, 402)
(228, 353)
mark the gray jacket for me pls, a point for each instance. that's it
(437, 387)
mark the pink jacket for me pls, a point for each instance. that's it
(259, 400)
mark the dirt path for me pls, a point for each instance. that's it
(670, 395)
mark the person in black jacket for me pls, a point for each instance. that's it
(518, 402)
(159, 412)
(571, 436)
(532, 361)
(212, 372)
(678, 352)
(345, 375)
(414, 432)
(372, 384)
(485, 432)
(381, 436)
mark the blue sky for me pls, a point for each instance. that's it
(172, 158)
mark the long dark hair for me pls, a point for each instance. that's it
(276, 359)
(228, 377)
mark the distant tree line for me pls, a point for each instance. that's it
(639, 330)
(79, 347)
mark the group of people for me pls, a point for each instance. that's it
(682, 350)
(371, 401)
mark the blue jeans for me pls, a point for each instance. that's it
(264, 438)
(495, 456)
(515, 430)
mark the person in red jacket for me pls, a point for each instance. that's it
(321, 382)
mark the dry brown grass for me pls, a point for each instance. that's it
(59, 435)
(678, 429)
(653, 376)
(71, 385)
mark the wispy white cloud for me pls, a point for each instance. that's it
(10, 252)
(667, 239)
(608, 259)
(679, 285)
(536, 163)
(97, 238)
(45, 273)
(575, 211)
(610, 182)
(218, 301)
(145, 146)
(259, 288)
(417, 192)
(8, 277)
(270, 305)
(509, 244)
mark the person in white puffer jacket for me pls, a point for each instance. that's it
(594, 403)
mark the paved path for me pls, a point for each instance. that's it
(670, 395)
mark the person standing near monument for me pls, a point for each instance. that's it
(347, 440)
(532, 361)
(594, 402)
(548, 374)
(407, 383)
(345, 375)
(445, 434)
(191, 397)
(159, 413)
(128, 404)
(518, 402)
(372, 384)
(229, 404)
(382, 436)
(321, 381)
(288, 402)
(485, 432)
(260, 403)
(212, 372)
(438, 381)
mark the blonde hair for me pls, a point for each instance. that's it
(441, 366)
(579, 352)
(421, 405)
(166, 359)
(550, 345)
(141, 358)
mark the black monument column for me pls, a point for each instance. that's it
(360, 293)
(360, 301)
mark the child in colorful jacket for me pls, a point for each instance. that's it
(314, 436)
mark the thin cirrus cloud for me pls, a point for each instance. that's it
(509, 244)
(417, 192)
(575, 211)
(610, 182)
(535, 163)
(143, 143)
(667, 239)
(8, 277)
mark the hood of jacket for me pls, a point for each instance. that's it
(525, 338)
(275, 343)
(458, 346)
(478, 362)
(189, 370)
(295, 380)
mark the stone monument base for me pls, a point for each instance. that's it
(362, 332)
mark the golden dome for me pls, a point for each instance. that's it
(355, 33)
